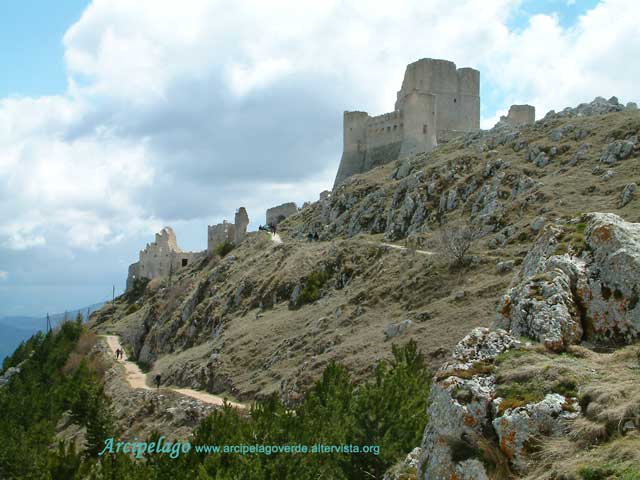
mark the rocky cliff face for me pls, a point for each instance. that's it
(490, 178)
(578, 285)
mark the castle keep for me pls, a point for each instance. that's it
(437, 100)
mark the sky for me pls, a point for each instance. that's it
(120, 117)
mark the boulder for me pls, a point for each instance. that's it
(627, 194)
(517, 426)
(537, 224)
(395, 329)
(505, 266)
(610, 295)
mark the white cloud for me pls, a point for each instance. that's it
(4, 275)
(185, 110)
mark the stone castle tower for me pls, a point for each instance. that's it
(437, 100)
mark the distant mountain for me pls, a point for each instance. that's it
(15, 329)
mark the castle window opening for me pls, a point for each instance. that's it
(454, 100)
(424, 129)
(395, 127)
(184, 262)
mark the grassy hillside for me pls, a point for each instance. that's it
(268, 318)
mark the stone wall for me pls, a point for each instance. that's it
(436, 100)
(219, 234)
(160, 258)
(520, 115)
(241, 222)
(228, 232)
(277, 214)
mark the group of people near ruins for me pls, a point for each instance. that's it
(268, 228)
(119, 354)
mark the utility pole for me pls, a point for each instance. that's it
(113, 293)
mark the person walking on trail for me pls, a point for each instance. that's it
(158, 379)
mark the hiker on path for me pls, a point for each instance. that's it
(158, 379)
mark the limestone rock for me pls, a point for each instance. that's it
(505, 266)
(461, 397)
(7, 374)
(395, 329)
(543, 306)
(610, 295)
(627, 194)
(537, 224)
(617, 150)
(556, 299)
(515, 427)
(409, 466)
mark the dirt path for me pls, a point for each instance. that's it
(137, 379)
(400, 247)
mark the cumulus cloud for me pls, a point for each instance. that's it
(179, 112)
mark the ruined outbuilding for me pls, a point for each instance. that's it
(436, 101)
(277, 214)
(520, 115)
(160, 258)
(226, 232)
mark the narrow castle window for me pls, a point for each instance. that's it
(424, 129)
(454, 100)
(395, 127)
(184, 262)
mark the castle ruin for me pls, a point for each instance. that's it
(160, 258)
(275, 215)
(163, 257)
(520, 115)
(226, 232)
(436, 101)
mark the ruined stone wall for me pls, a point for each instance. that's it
(219, 234)
(160, 258)
(241, 222)
(228, 232)
(276, 214)
(520, 115)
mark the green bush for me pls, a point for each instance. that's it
(313, 286)
(224, 248)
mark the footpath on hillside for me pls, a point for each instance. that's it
(137, 379)
(277, 239)
(400, 247)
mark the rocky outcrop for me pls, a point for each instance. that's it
(579, 282)
(515, 427)
(610, 296)
(461, 405)
(599, 106)
(559, 299)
